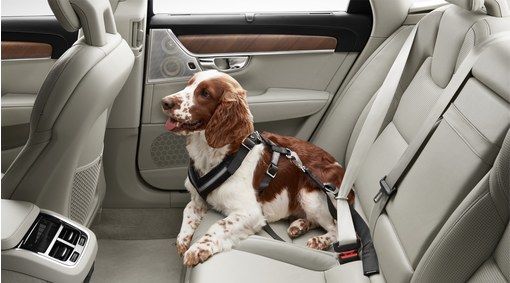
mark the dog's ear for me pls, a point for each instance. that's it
(231, 121)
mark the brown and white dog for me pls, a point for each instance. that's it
(213, 113)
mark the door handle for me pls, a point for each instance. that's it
(224, 64)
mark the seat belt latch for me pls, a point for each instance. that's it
(384, 189)
(347, 253)
(348, 256)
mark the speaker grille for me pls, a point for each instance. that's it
(84, 189)
(169, 150)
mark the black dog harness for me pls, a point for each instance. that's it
(219, 174)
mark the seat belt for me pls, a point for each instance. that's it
(384, 97)
(388, 184)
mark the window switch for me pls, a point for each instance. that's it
(74, 257)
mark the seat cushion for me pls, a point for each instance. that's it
(277, 262)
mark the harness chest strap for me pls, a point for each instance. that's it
(219, 174)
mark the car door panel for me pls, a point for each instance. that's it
(30, 47)
(290, 65)
(238, 43)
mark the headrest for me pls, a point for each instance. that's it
(498, 8)
(493, 70)
(94, 16)
(470, 5)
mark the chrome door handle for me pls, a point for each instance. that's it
(224, 64)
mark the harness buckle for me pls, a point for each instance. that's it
(252, 140)
(330, 188)
(272, 170)
(384, 189)
(294, 158)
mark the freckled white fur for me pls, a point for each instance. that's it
(186, 95)
(313, 203)
(234, 198)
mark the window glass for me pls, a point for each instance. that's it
(12, 8)
(246, 6)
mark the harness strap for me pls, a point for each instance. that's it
(272, 233)
(219, 174)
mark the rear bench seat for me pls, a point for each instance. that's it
(449, 220)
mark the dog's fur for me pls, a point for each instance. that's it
(213, 113)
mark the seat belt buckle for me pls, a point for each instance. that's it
(272, 170)
(347, 253)
(348, 256)
(384, 189)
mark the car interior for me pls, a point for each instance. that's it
(93, 185)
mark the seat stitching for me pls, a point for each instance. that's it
(492, 198)
(472, 126)
(465, 141)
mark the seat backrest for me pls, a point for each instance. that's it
(465, 210)
(454, 170)
(60, 166)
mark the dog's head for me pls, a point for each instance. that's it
(213, 102)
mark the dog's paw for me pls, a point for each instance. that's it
(182, 243)
(298, 228)
(319, 242)
(196, 254)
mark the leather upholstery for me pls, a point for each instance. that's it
(65, 14)
(62, 159)
(94, 17)
(449, 220)
(470, 5)
(498, 8)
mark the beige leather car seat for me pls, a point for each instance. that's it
(60, 166)
(449, 221)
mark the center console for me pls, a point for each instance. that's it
(44, 245)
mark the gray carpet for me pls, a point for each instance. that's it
(137, 261)
(137, 224)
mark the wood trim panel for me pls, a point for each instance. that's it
(241, 43)
(25, 50)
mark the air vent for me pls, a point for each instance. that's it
(55, 238)
(61, 251)
(69, 235)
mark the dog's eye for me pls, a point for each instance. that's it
(205, 93)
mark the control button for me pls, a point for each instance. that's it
(74, 257)
(81, 241)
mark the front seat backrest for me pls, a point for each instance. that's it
(60, 166)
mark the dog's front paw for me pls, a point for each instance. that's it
(319, 242)
(182, 243)
(298, 228)
(196, 254)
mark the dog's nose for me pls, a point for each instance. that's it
(167, 105)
